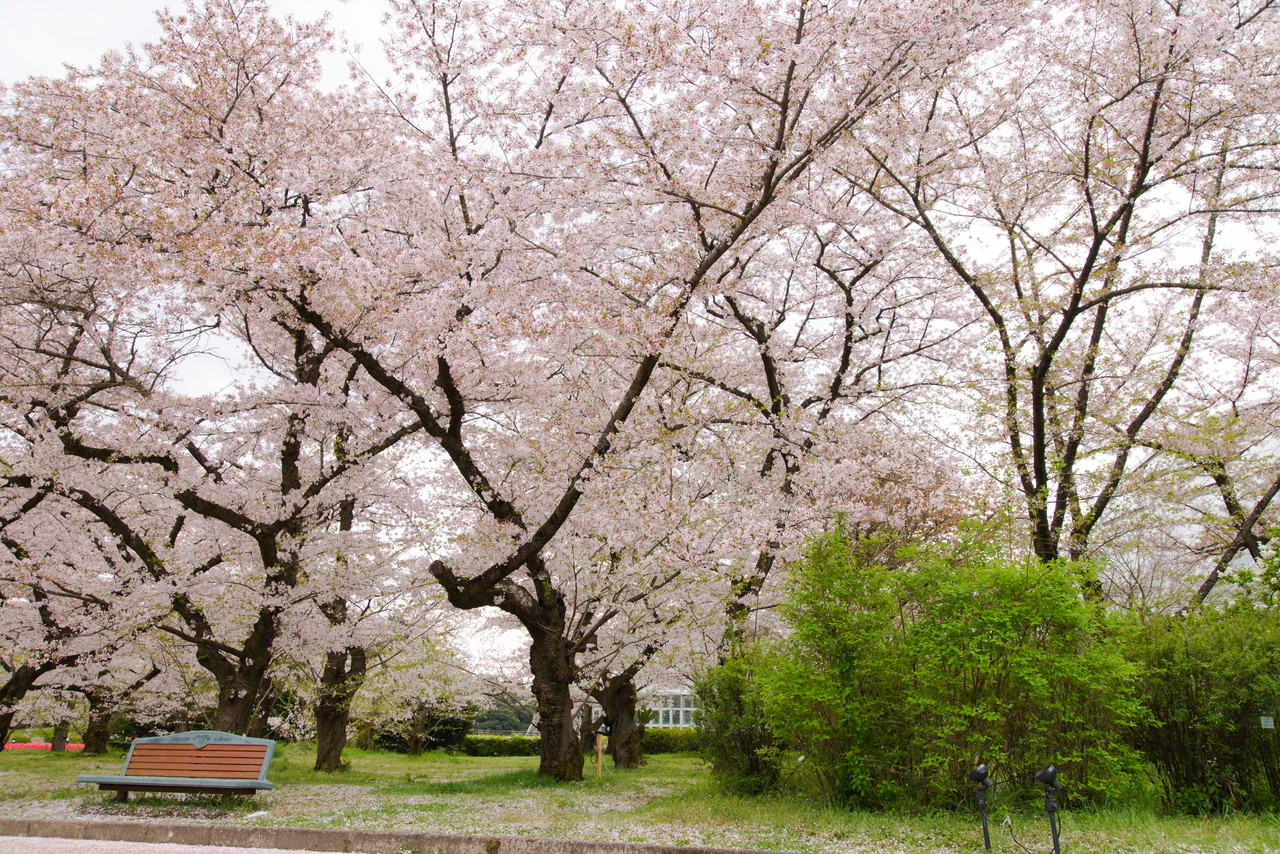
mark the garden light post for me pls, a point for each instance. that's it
(979, 776)
(1049, 777)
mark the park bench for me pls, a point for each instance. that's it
(201, 762)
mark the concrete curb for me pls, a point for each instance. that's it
(316, 839)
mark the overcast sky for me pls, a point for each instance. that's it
(38, 36)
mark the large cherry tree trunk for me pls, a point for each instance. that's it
(238, 698)
(242, 679)
(342, 676)
(625, 740)
(16, 687)
(550, 661)
(617, 695)
(552, 656)
(97, 732)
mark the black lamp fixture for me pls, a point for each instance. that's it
(1049, 779)
(979, 775)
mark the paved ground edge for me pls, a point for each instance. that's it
(317, 839)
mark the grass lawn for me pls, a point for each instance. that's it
(672, 800)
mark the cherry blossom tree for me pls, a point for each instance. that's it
(376, 604)
(1213, 471)
(416, 681)
(66, 604)
(140, 189)
(572, 181)
(819, 357)
(114, 687)
(1084, 184)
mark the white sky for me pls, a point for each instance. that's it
(38, 36)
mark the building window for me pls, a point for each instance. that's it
(673, 710)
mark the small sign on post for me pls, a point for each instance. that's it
(1268, 722)
(605, 729)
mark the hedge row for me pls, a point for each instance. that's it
(655, 741)
(501, 745)
(672, 740)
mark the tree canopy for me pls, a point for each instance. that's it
(594, 312)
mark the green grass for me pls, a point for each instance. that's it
(673, 800)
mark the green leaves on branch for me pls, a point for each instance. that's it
(1209, 677)
(903, 672)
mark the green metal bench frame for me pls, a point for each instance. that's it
(200, 762)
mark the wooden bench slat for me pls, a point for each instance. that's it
(209, 773)
(188, 771)
(164, 762)
(194, 752)
(197, 762)
(195, 771)
(214, 762)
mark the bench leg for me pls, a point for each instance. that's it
(122, 796)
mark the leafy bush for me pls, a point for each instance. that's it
(671, 740)
(501, 745)
(432, 726)
(738, 738)
(507, 715)
(1208, 678)
(897, 681)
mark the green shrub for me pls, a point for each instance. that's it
(501, 745)
(508, 715)
(900, 677)
(738, 738)
(671, 740)
(1208, 677)
(430, 727)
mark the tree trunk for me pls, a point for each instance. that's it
(6, 724)
(344, 670)
(17, 686)
(561, 751)
(235, 710)
(60, 732)
(97, 732)
(617, 696)
(587, 730)
(238, 701)
(260, 723)
(419, 727)
(625, 744)
(242, 682)
(339, 682)
(551, 656)
(102, 705)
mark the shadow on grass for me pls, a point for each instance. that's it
(168, 805)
